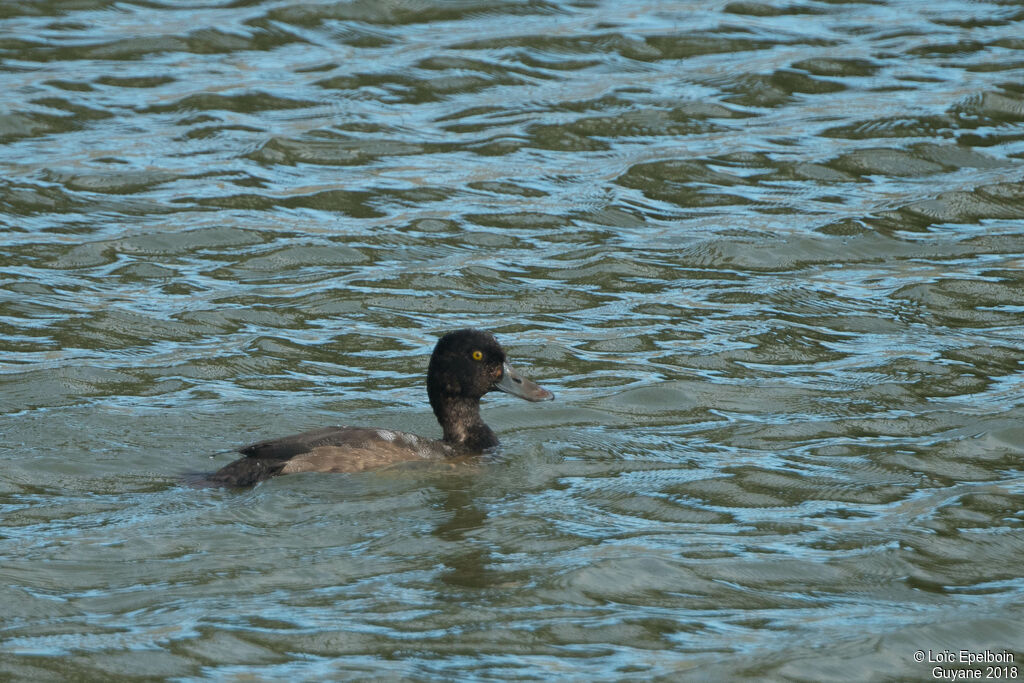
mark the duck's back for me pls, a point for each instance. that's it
(330, 449)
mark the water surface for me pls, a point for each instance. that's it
(768, 255)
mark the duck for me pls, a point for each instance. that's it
(465, 365)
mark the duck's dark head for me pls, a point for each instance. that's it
(465, 365)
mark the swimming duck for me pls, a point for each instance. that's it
(465, 365)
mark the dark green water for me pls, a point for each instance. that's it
(767, 255)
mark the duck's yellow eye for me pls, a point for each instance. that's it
(478, 355)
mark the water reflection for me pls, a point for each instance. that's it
(468, 565)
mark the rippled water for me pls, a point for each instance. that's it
(767, 255)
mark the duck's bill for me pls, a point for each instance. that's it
(512, 382)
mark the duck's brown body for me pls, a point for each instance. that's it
(330, 449)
